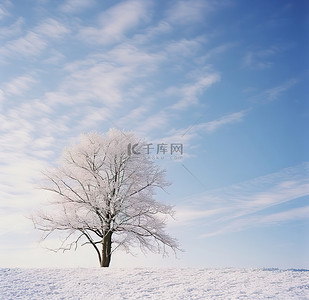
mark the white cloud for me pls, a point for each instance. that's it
(133, 116)
(151, 123)
(55, 57)
(35, 108)
(18, 176)
(184, 47)
(44, 142)
(190, 92)
(99, 82)
(14, 29)
(184, 12)
(152, 32)
(214, 52)
(75, 6)
(28, 141)
(92, 116)
(29, 45)
(180, 135)
(3, 9)
(103, 78)
(17, 139)
(13, 222)
(26, 128)
(129, 55)
(252, 60)
(184, 135)
(292, 214)
(185, 214)
(2, 12)
(34, 41)
(218, 123)
(274, 93)
(18, 85)
(52, 29)
(12, 121)
(245, 205)
(2, 97)
(260, 59)
(116, 22)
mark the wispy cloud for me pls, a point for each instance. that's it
(29, 138)
(115, 22)
(75, 6)
(129, 55)
(218, 123)
(136, 114)
(294, 214)
(198, 128)
(260, 59)
(2, 12)
(52, 29)
(29, 45)
(36, 40)
(263, 58)
(152, 32)
(3, 9)
(91, 116)
(55, 57)
(274, 93)
(1, 97)
(102, 80)
(187, 215)
(185, 47)
(246, 205)
(154, 122)
(18, 85)
(184, 12)
(190, 93)
(13, 29)
(218, 50)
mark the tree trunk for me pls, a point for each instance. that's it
(106, 249)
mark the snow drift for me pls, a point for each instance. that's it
(92, 283)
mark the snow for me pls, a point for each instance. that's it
(111, 283)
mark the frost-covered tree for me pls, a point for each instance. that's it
(103, 195)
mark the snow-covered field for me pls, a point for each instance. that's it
(113, 284)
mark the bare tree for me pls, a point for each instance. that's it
(104, 196)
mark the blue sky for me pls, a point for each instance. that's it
(227, 79)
